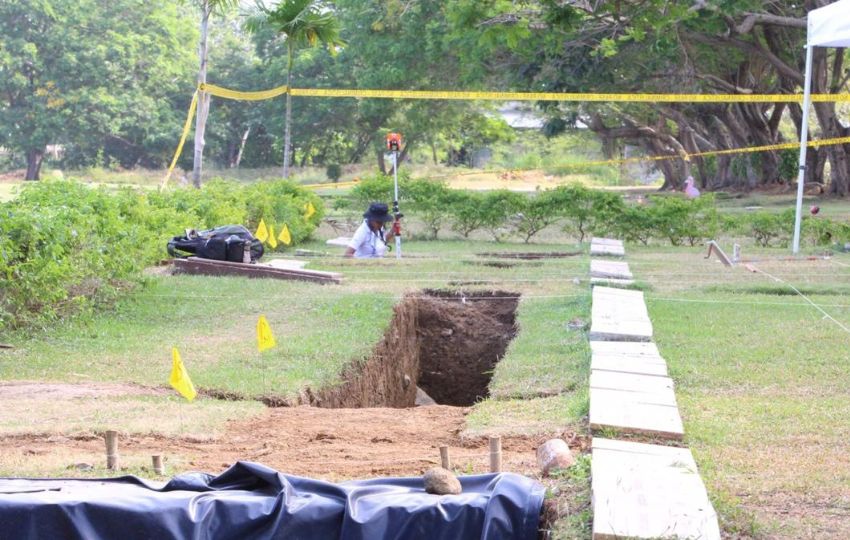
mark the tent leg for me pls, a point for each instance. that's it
(804, 139)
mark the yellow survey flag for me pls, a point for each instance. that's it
(309, 210)
(265, 338)
(180, 377)
(284, 235)
(262, 233)
(272, 238)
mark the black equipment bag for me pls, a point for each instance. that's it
(225, 243)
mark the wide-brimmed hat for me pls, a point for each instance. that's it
(378, 212)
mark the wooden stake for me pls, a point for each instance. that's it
(495, 454)
(444, 458)
(111, 449)
(156, 459)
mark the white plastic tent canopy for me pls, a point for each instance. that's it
(829, 26)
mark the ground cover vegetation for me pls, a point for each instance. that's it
(67, 247)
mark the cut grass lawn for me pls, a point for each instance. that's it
(762, 382)
(539, 387)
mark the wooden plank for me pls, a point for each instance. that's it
(285, 264)
(610, 269)
(195, 265)
(630, 382)
(648, 491)
(624, 349)
(636, 412)
(650, 396)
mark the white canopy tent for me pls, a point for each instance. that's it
(829, 26)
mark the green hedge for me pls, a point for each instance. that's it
(66, 246)
(581, 212)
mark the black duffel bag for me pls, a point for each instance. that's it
(227, 243)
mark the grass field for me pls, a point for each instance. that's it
(762, 381)
(761, 376)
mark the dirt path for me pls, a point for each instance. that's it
(334, 444)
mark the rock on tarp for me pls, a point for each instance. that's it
(253, 501)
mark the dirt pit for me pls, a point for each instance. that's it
(530, 255)
(445, 342)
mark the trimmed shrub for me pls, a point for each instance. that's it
(334, 172)
(66, 247)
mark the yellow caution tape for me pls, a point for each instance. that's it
(526, 96)
(519, 96)
(185, 134)
(260, 95)
(729, 151)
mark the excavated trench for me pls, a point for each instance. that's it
(445, 342)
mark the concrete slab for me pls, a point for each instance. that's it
(625, 349)
(635, 412)
(610, 269)
(623, 364)
(648, 491)
(630, 382)
(599, 250)
(611, 282)
(606, 241)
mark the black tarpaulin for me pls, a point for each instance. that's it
(253, 501)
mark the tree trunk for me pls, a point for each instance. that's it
(433, 152)
(287, 138)
(241, 148)
(35, 156)
(382, 165)
(203, 98)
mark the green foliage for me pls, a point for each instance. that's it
(431, 202)
(538, 212)
(467, 212)
(821, 231)
(380, 188)
(768, 228)
(99, 78)
(685, 220)
(498, 209)
(334, 172)
(588, 211)
(67, 247)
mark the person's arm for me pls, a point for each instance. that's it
(356, 241)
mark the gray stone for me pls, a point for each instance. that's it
(554, 454)
(423, 399)
(439, 481)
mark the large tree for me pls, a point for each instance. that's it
(648, 46)
(301, 23)
(82, 73)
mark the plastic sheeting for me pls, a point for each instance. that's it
(253, 501)
(829, 26)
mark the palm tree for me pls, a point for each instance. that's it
(207, 9)
(302, 23)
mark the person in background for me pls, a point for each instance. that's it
(371, 239)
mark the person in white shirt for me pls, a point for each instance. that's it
(371, 239)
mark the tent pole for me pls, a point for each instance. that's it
(804, 139)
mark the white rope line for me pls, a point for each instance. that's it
(806, 298)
